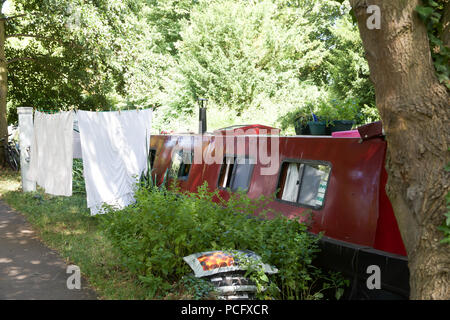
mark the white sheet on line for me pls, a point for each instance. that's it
(51, 152)
(114, 152)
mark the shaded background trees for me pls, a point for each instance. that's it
(254, 61)
(86, 54)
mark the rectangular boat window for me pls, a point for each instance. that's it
(181, 165)
(242, 175)
(226, 171)
(235, 173)
(304, 183)
(152, 156)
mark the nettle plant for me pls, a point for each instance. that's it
(301, 114)
(165, 225)
(337, 110)
(148, 180)
(347, 109)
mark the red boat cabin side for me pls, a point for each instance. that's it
(341, 180)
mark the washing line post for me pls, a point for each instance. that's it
(26, 133)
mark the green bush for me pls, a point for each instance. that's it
(78, 184)
(164, 226)
(329, 110)
(445, 227)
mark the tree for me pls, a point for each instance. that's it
(414, 108)
(167, 17)
(73, 53)
(267, 58)
(242, 54)
(48, 61)
(346, 64)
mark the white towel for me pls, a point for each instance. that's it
(290, 192)
(52, 151)
(114, 147)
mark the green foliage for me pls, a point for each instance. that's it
(265, 289)
(149, 181)
(255, 61)
(164, 226)
(87, 54)
(329, 110)
(72, 43)
(303, 115)
(445, 227)
(347, 66)
(368, 114)
(432, 13)
(346, 110)
(166, 16)
(267, 55)
(336, 110)
(65, 225)
(199, 289)
(78, 184)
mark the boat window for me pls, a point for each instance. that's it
(304, 183)
(226, 171)
(181, 165)
(235, 173)
(152, 156)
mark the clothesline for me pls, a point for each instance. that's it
(76, 109)
(113, 148)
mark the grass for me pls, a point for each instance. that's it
(65, 225)
(9, 181)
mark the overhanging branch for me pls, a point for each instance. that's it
(21, 15)
(13, 17)
(24, 35)
(20, 59)
(39, 37)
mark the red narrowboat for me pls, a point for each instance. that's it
(340, 181)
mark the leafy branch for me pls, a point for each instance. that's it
(432, 14)
(445, 227)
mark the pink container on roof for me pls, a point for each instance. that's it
(346, 134)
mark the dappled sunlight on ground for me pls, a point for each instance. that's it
(65, 225)
(9, 181)
(28, 269)
(62, 228)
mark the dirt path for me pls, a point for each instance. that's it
(28, 269)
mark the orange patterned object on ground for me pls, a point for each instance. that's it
(215, 260)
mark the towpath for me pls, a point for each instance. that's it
(28, 269)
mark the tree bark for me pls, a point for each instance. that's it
(414, 109)
(445, 35)
(3, 91)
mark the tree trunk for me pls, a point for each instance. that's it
(414, 108)
(445, 34)
(3, 91)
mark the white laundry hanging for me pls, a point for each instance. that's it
(114, 147)
(51, 152)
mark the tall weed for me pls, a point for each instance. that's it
(164, 225)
